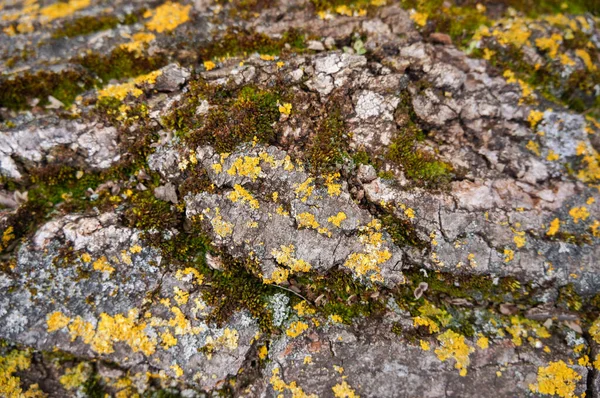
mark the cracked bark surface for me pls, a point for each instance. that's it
(222, 198)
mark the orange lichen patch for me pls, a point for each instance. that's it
(209, 65)
(279, 275)
(509, 255)
(303, 308)
(549, 44)
(248, 166)
(526, 89)
(138, 41)
(333, 188)
(221, 228)
(62, 9)
(419, 18)
(579, 213)
(120, 328)
(554, 227)
(180, 274)
(305, 189)
(102, 265)
(120, 91)
(453, 346)
(586, 59)
(533, 147)
(280, 386)
(81, 328)
(343, 390)
(75, 377)
(556, 379)
(337, 219)
(286, 108)
(367, 262)
(307, 220)
(296, 329)
(240, 194)
(167, 16)
(521, 327)
(57, 320)
(285, 256)
(483, 342)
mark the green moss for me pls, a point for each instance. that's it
(86, 25)
(402, 231)
(120, 64)
(64, 86)
(340, 294)
(331, 5)
(420, 166)
(329, 144)
(238, 115)
(243, 42)
(569, 299)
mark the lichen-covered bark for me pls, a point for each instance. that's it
(299, 198)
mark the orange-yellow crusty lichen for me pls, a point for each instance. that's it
(57, 320)
(296, 329)
(167, 16)
(554, 227)
(102, 265)
(579, 213)
(62, 9)
(333, 189)
(138, 41)
(305, 189)
(368, 261)
(337, 219)
(280, 386)
(120, 91)
(302, 308)
(240, 194)
(10, 385)
(549, 44)
(595, 330)
(285, 108)
(556, 379)
(419, 18)
(509, 255)
(75, 377)
(453, 346)
(221, 228)
(527, 90)
(81, 328)
(248, 166)
(343, 390)
(278, 276)
(285, 256)
(307, 220)
(483, 342)
(586, 59)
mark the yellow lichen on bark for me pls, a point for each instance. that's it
(167, 16)
(556, 379)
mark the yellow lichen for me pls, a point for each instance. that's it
(483, 342)
(62, 9)
(75, 377)
(453, 346)
(333, 189)
(305, 189)
(81, 328)
(509, 255)
(240, 194)
(373, 253)
(554, 227)
(167, 16)
(307, 220)
(138, 42)
(221, 228)
(102, 265)
(425, 346)
(247, 166)
(209, 65)
(263, 351)
(285, 256)
(556, 379)
(586, 59)
(177, 370)
(302, 308)
(419, 18)
(337, 219)
(296, 329)
(579, 213)
(343, 390)
(57, 320)
(285, 108)
(549, 44)
(533, 147)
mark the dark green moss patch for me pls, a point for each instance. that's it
(235, 42)
(64, 86)
(120, 64)
(86, 25)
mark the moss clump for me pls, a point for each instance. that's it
(120, 64)
(329, 144)
(420, 166)
(238, 115)
(235, 42)
(64, 86)
(402, 231)
(338, 293)
(86, 25)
